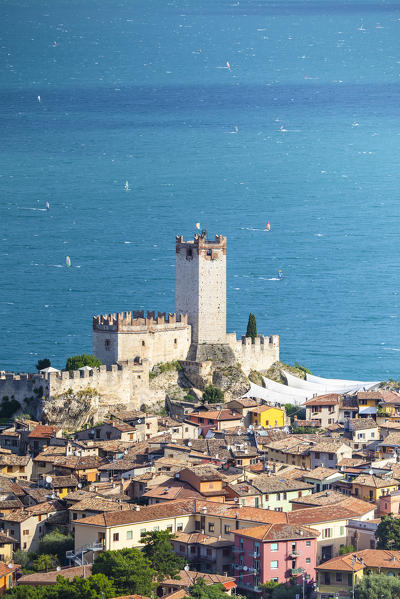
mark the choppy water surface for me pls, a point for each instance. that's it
(303, 130)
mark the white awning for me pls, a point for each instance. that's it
(272, 396)
(363, 410)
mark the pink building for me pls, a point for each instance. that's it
(274, 552)
(390, 503)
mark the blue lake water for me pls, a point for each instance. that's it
(139, 91)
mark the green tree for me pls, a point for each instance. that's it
(97, 586)
(346, 549)
(23, 558)
(378, 586)
(212, 394)
(44, 363)
(292, 410)
(56, 543)
(251, 327)
(159, 552)
(302, 368)
(76, 362)
(201, 590)
(283, 591)
(129, 569)
(46, 562)
(388, 533)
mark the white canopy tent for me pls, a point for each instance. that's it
(327, 387)
(300, 394)
(341, 382)
(272, 397)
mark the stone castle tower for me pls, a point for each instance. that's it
(200, 286)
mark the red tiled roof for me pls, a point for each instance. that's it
(43, 432)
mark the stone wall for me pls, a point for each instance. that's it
(123, 384)
(198, 373)
(24, 387)
(259, 355)
(128, 335)
(200, 286)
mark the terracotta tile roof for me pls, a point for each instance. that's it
(77, 462)
(42, 578)
(98, 504)
(43, 431)
(277, 484)
(172, 489)
(324, 400)
(371, 558)
(204, 472)
(201, 539)
(385, 396)
(362, 423)
(370, 480)
(321, 498)
(144, 514)
(5, 570)
(189, 506)
(350, 507)
(320, 473)
(121, 426)
(246, 402)
(7, 540)
(262, 409)
(352, 462)
(392, 439)
(10, 504)
(14, 460)
(217, 415)
(64, 481)
(187, 579)
(328, 446)
(244, 489)
(277, 532)
(122, 465)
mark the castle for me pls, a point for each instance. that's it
(129, 344)
(196, 332)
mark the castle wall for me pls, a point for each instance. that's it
(259, 355)
(200, 286)
(129, 335)
(118, 384)
(22, 387)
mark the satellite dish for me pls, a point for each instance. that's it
(245, 568)
(370, 472)
(58, 568)
(236, 499)
(49, 479)
(79, 485)
(190, 444)
(139, 420)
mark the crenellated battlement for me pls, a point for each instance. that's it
(138, 320)
(260, 342)
(21, 376)
(201, 244)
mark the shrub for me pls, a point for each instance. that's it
(213, 394)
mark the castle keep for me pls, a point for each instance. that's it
(196, 333)
(129, 344)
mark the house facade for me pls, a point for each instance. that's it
(276, 552)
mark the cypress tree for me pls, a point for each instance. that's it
(251, 327)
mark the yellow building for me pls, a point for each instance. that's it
(267, 417)
(369, 487)
(338, 576)
(7, 576)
